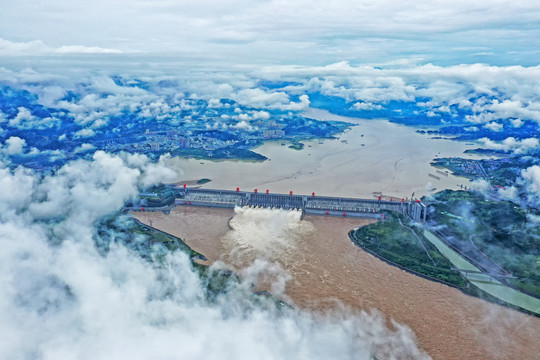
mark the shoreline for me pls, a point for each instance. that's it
(373, 156)
(481, 293)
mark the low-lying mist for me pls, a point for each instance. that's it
(65, 297)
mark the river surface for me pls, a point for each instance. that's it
(373, 156)
(322, 269)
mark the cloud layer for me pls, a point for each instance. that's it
(477, 94)
(51, 109)
(276, 31)
(38, 47)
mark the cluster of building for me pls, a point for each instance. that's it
(464, 167)
(196, 138)
(168, 141)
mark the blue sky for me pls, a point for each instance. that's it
(280, 32)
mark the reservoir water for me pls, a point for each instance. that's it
(373, 156)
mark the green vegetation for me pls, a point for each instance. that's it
(399, 244)
(296, 146)
(154, 246)
(487, 152)
(501, 169)
(119, 228)
(160, 198)
(171, 242)
(505, 176)
(499, 229)
(460, 167)
(203, 181)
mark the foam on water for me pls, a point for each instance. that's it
(266, 233)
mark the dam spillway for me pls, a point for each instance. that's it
(308, 204)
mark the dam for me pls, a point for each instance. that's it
(308, 204)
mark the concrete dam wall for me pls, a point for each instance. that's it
(317, 205)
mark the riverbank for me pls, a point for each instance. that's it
(407, 259)
(391, 242)
(484, 281)
(496, 236)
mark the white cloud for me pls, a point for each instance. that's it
(489, 93)
(508, 193)
(86, 147)
(528, 184)
(480, 185)
(243, 125)
(534, 219)
(38, 47)
(85, 133)
(366, 106)
(49, 95)
(242, 117)
(531, 180)
(511, 144)
(17, 188)
(261, 115)
(25, 120)
(98, 187)
(215, 103)
(154, 172)
(23, 115)
(22, 48)
(497, 109)
(517, 122)
(504, 193)
(79, 49)
(303, 104)
(14, 145)
(494, 126)
(260, 98)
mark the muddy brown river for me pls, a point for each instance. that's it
(325, 270)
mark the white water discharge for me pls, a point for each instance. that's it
(265, 232)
